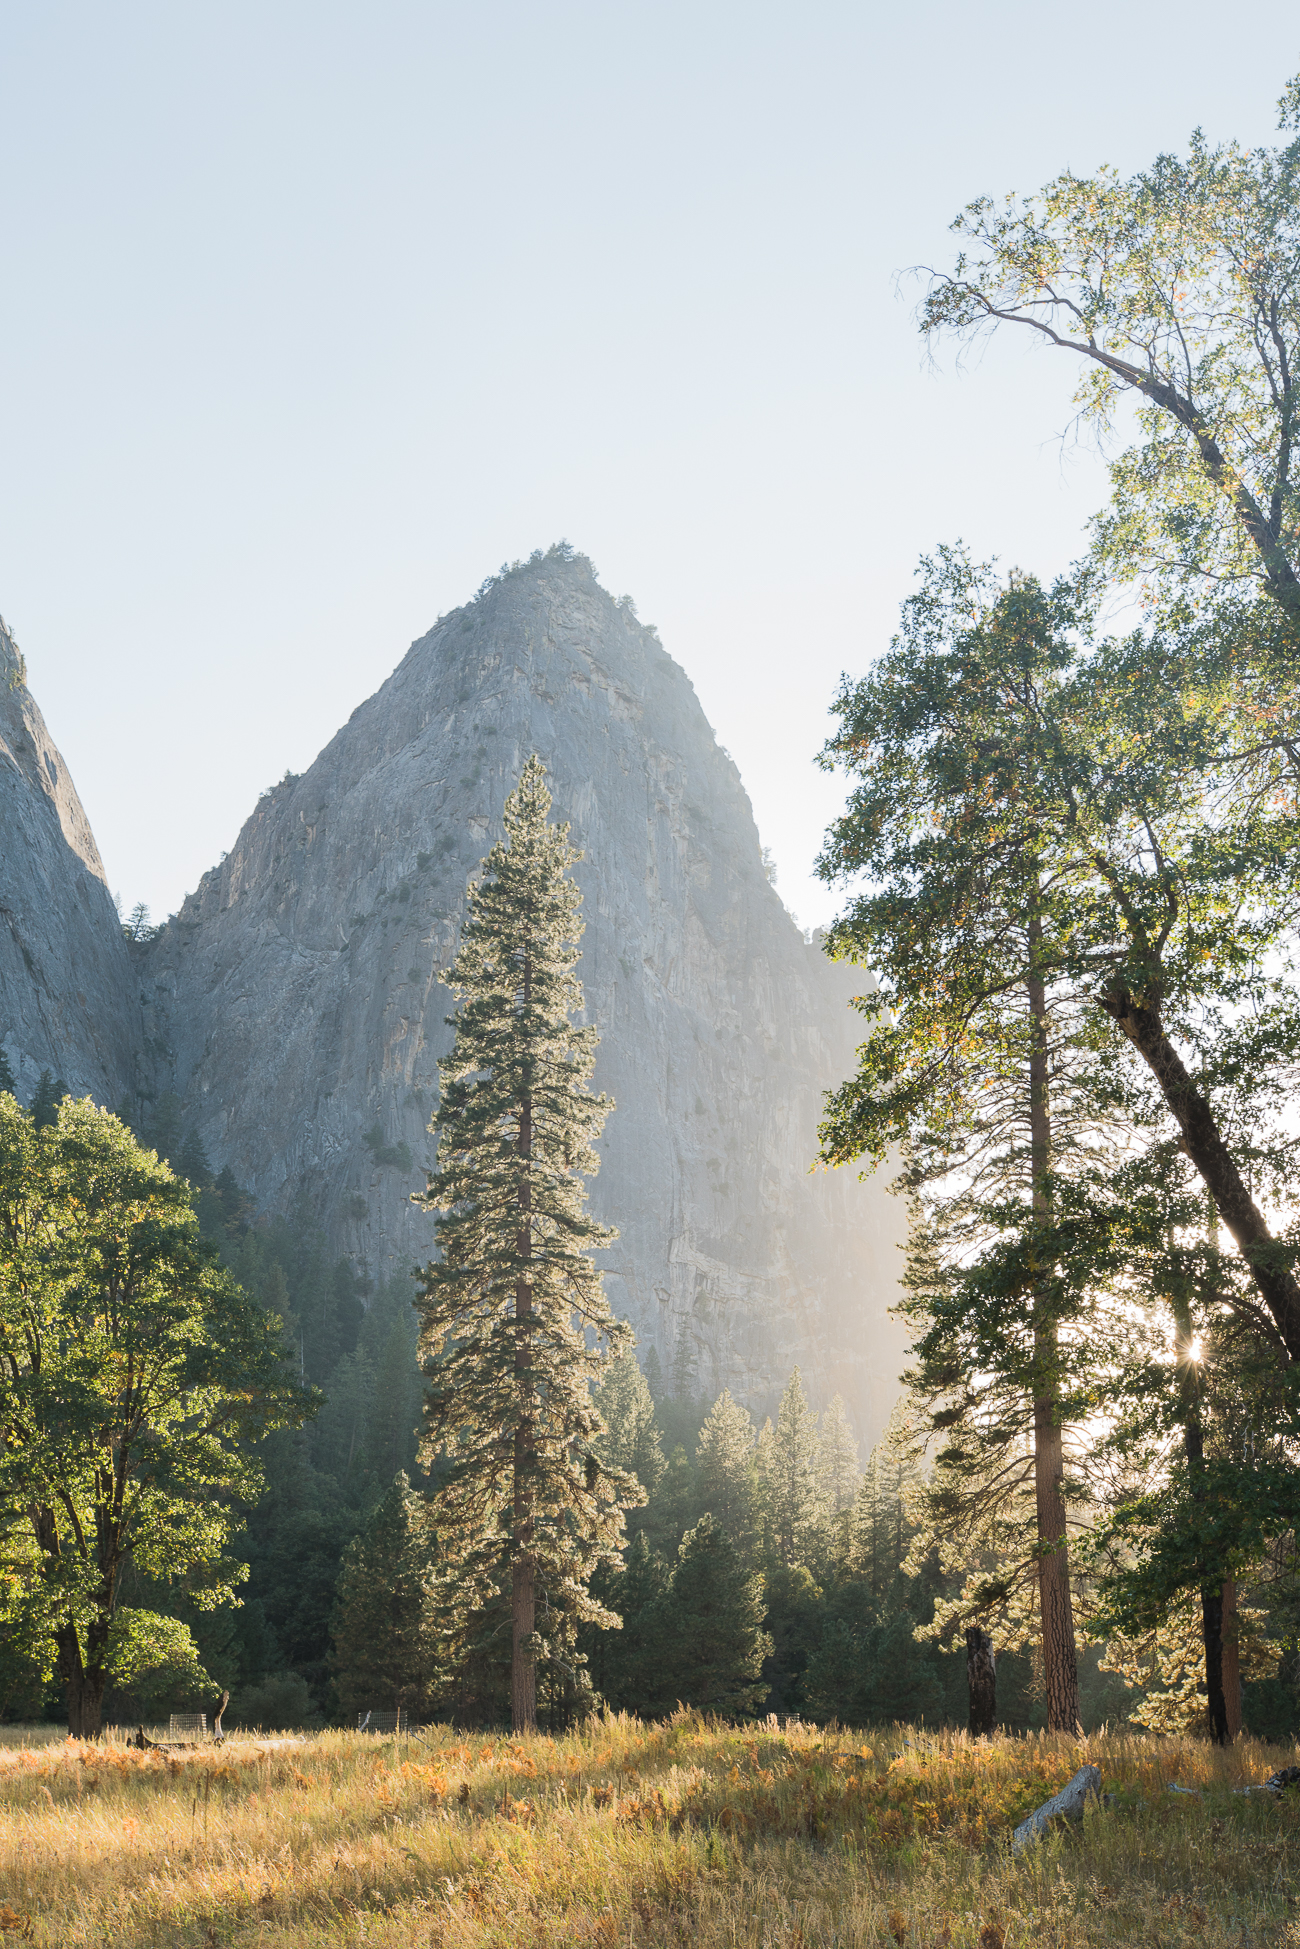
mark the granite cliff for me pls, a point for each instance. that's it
(68, 1001)
(296, 1007)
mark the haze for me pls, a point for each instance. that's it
(314, 314)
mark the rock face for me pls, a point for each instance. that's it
(295, 1002)
(297, 992)
(68, 999)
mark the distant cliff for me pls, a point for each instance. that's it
(295, 1001)
(68, 1001)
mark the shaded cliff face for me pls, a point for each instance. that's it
(298, 994)
(68, 999)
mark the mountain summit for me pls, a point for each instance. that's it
(295, 1002)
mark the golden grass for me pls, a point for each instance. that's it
(674, 1834)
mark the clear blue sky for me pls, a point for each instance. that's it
(314, 313)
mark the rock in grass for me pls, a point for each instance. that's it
(1069, 1802)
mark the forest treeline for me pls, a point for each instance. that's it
(835, 1586)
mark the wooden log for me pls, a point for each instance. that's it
(1068, 1804)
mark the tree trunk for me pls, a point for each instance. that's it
(1231, 1661)
(982, 1683)
(523, 1671)
(1194, 1449)
(1212, 1625)
(523, 1610)
(84, 1686)
(1276, 1284)
(1060, 1657)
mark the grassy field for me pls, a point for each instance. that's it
(675, 1834)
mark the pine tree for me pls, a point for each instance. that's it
(791, 1489)
(514, 1321)
(166, 1131)
(628, 1665)
(6, 1074)
(727, 1483)
(631, 1438)
(193, 1164)
(714, 1643)
(881, 1527)
(45, 1103)
(385, 1637)
(837, 1459)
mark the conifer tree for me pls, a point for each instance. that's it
(837, 1458)
(515, 1325)
(45, 1103)
(881, 1526)
(6, 1074)
(631, 1438)
(728, 1481)
(385, 1635)
(791, 1489)
(712, 1628)
(628, 1666)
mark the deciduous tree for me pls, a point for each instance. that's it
(135, 1380)
(1177, 288)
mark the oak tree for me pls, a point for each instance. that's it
(136, 1378)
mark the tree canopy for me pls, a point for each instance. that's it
(1178, 288)
(136, 1378)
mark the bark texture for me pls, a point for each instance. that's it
(1060, 1655)
(981, 1682)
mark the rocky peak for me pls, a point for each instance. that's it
(299, 999)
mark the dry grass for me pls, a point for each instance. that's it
(678, 1834)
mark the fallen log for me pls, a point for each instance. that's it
(1068, 1804)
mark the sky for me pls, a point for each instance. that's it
(314, 314)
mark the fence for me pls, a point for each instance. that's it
(188, 1725)
(398, 1721)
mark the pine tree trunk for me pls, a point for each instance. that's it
(981, 1682)
(1060, 1657)
(1231, 1661)
(523, 1671)
(523, 1611)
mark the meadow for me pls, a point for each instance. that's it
(679, 1833)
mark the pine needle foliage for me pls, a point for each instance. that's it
(515, 1325)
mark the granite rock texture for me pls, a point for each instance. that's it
(69, 1001)
(297, 1004)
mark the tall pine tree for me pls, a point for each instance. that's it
(728, 1475)
(514, 1321)
(384, 1628)
(792, 1491)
